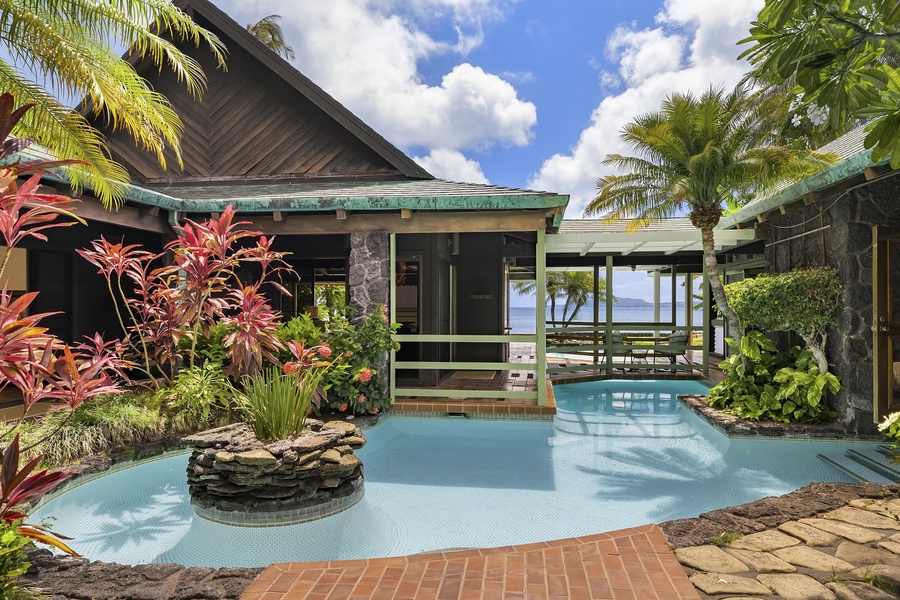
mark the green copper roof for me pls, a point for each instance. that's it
(429, 194)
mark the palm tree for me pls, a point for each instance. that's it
(268, 30)
(67, 47)
(574, 288)
(700, 154)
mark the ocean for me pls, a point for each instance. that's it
(521, 318)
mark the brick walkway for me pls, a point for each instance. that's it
(633, 564)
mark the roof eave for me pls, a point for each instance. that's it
(824, 179)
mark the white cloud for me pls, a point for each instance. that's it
(709, 29)
(452, 165)
(643, 54)
(366, 53)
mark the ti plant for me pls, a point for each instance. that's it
(19, 488)
(199, 289)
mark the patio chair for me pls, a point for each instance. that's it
(677, 344)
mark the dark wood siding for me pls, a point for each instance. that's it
(250, 124)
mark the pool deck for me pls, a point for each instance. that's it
(630, 564)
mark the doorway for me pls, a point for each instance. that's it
(886, 320)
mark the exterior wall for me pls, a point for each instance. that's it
(846, 245)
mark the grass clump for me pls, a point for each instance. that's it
(724, 539)
(276, 405)
(104, 423)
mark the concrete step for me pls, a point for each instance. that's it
(877, 461)
(854, 469)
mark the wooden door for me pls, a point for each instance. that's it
(886, 319)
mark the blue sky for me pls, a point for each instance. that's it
(520, 93)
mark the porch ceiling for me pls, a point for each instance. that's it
(669, 236)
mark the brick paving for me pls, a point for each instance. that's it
(631, 564)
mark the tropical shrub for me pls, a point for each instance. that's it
(299, 329)
(197, 291)
(19, 488)
(763, 384)
(210, 347)
(362, 387)
(200, 397)
(13, 560)
(805, 301)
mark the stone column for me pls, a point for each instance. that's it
(370, 272)
(369, 283)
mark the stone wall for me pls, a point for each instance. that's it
(845, 243)
(369, 273)
(236, 479)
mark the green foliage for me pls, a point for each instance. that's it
(299, 329)
(763, 384)
(104, 423)
(211, 348)
(75, 45)
(805, 301)
(840, 57)
(13, 560)
(275, 404)
(699, 155)
(200, 396)
(359, 388)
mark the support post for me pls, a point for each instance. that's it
(392, 309)
(541, 317)
(608, 330)
(596, 315)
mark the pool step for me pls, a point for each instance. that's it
(865, 465)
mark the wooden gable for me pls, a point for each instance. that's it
(258, 120)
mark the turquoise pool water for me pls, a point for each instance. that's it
(618, 454)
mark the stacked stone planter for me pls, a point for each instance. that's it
(236, 479)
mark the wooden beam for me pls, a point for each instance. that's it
(782, 209)
(341, 214)
(762, 218)
(133, 217)
(277, 215)
(154, 211)
(215, 215)
(869, 173)
(419, 222)
(405, 213)
(810, 198)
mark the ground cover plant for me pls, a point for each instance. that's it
(763, 384)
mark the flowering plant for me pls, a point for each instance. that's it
(891, 428)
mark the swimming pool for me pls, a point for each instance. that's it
(618, 454)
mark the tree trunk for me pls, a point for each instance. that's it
(715, 284)
(818, 350)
